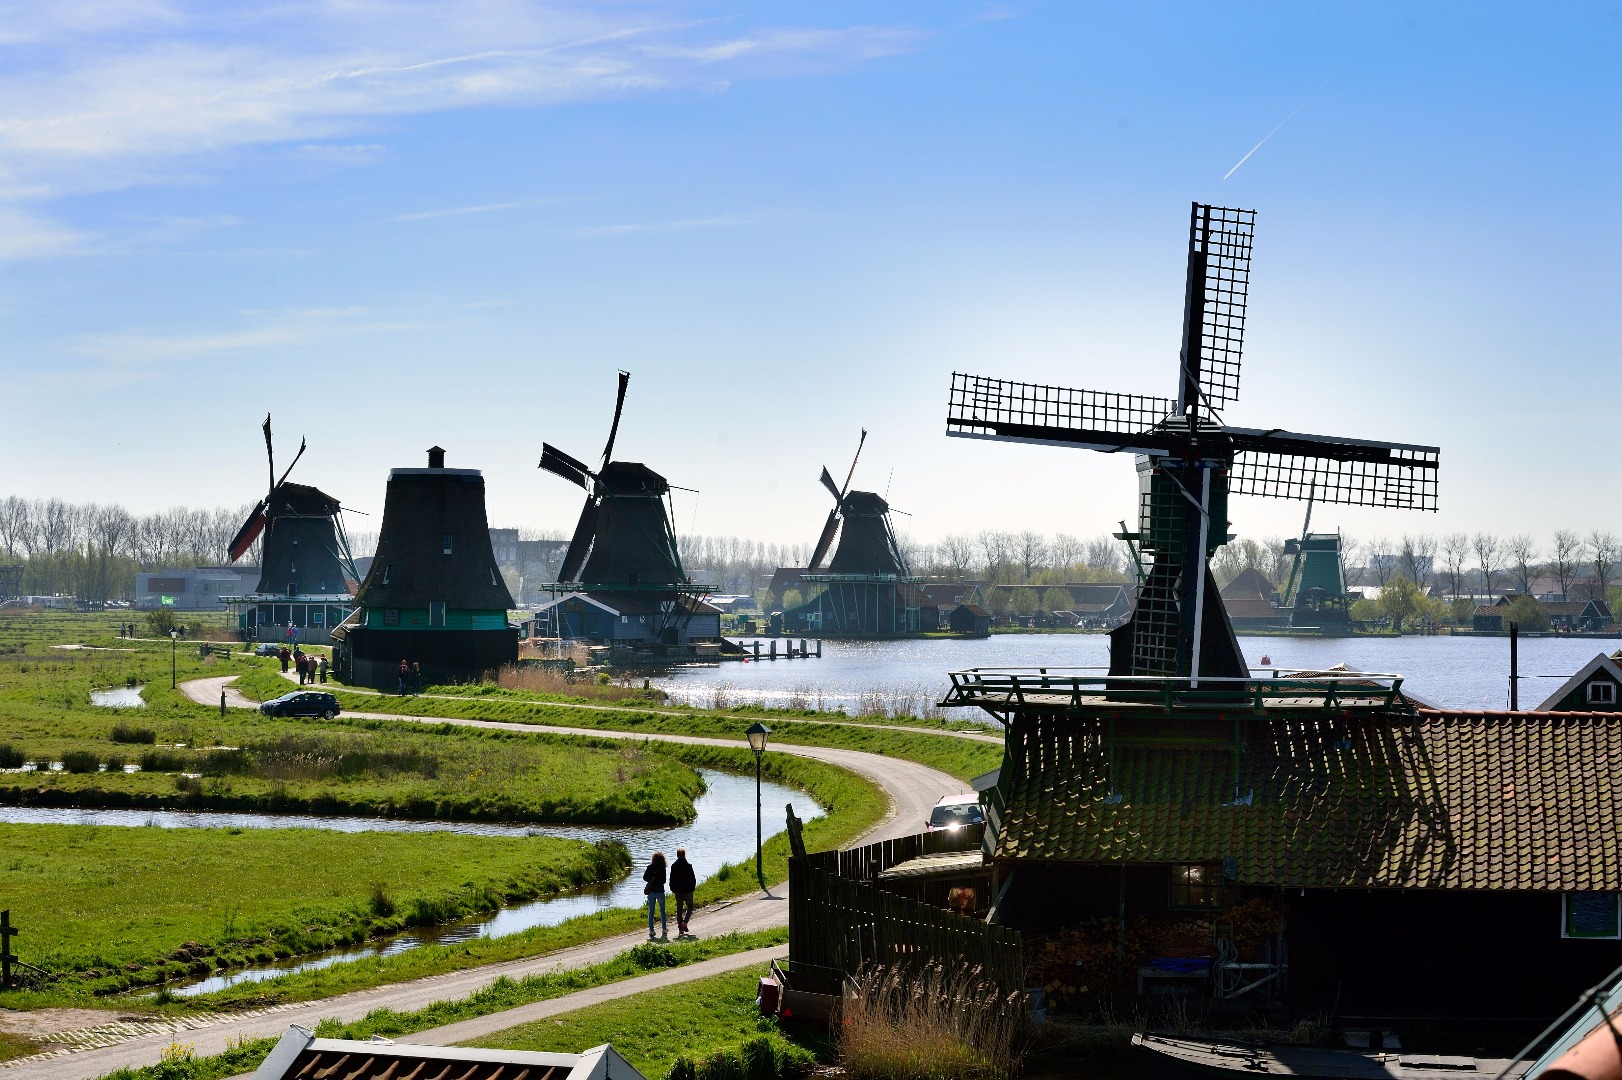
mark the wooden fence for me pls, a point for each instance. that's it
(841, 920)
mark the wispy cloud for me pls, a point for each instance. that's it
(101, 96)
(455, 211)
(730, 221)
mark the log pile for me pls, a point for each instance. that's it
(1075, 964)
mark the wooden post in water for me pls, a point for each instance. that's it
(774, 649)
(1514, 667)
(7, 932)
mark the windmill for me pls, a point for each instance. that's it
(1189, 459)
(865, 589)
(305, 563)
(624, 538)
(624, 549)
(1315, 592)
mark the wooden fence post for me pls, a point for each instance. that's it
(7, 932)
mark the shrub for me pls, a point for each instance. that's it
(159, 622)
(162, 761)
(129, 733)
(382, 903)
(916, 1024)
(114, 762)
(80, 761)
(760, 1058)
(11, 757)
(188, 785)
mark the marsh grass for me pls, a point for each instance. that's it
(130, 734)
(11, 757)
(920, 1023)
(536, 680)
(80, 761)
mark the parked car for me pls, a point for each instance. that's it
(302, 703)
(267, 648)
(954, 812)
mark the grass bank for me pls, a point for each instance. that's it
(500, 995)
(655, 1028)
(852, 804)
(191, 757)
(961, 758)
(104, 909)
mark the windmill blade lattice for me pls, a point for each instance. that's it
(1392, 476)
(999, 408)
(1219, 243)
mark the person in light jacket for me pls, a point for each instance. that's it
(682, 882)
(654, 875)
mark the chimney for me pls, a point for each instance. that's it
(436, 457)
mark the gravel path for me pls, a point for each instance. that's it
(913, 790)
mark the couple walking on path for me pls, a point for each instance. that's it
(682, 882)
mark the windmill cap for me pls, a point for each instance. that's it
(436, 457)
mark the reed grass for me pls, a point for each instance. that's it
(926, 1022)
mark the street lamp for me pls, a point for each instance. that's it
(174, 644)
(757, 742)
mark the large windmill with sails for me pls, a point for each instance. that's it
(307, 575)
(621, 579)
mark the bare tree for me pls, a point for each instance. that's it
(1489, 560)
(1030, 549)
(1522, 553)
(995, 547)
(16, 522)
(1382, 561)
(1351, 561)
(1455, 556)
(1417, 560)
(1106, 555)
(1065, 551)
(1602, 555)
(1567, 561)
(955, 554)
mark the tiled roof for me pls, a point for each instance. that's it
(1461, 800)
(299, 1055)
(1248, 584)
(1254, 608)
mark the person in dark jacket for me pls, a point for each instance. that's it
(284, 656)
(682, 882)
(654, 875)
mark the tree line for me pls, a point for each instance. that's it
(94, 550)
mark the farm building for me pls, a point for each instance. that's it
(630, 619)
(969, 619)
(1251, 602)
(1571, 615)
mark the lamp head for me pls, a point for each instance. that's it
(757, 736)
(174, 635)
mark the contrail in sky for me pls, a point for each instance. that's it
(1280, 124)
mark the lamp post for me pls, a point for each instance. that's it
(757, 742)
(174, 644)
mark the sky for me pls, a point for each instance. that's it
(400, 225)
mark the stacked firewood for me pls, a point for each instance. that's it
(1075, 964)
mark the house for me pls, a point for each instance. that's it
(1100, 605)
(1571, 615)
(971, 619)
(631, 619)
(1249, 598)
(299, 1054)
(1377, 849)
(1596, 688)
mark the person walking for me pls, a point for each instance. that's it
(416, 677)
(405, 673)
(298, 664)
(654, 875)
(682, 882)
(323, 669)
(284, 656)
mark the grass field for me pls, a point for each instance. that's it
(106, 908)
(654, 1028)
(243, 761)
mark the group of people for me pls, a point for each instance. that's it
(309, 667)
(682, 882)
(410, 678)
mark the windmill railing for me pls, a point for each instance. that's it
(1001, 690)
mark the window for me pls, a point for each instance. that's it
(391, 616)
(1601, 692)
(445, 543)
(1594, 915)
(1196, 885)
(387, 570)
(292, 588)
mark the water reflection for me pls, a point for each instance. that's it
(118, 697)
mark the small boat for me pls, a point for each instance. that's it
(1172, 1056)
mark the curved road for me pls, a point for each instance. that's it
(912, 789)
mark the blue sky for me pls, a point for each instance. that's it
(394, 225)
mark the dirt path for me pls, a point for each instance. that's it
(912, 789)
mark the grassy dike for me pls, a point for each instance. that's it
(958, 757)
(105, 909)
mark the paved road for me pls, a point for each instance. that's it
(912, 788)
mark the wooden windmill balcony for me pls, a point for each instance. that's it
(1002, 691)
